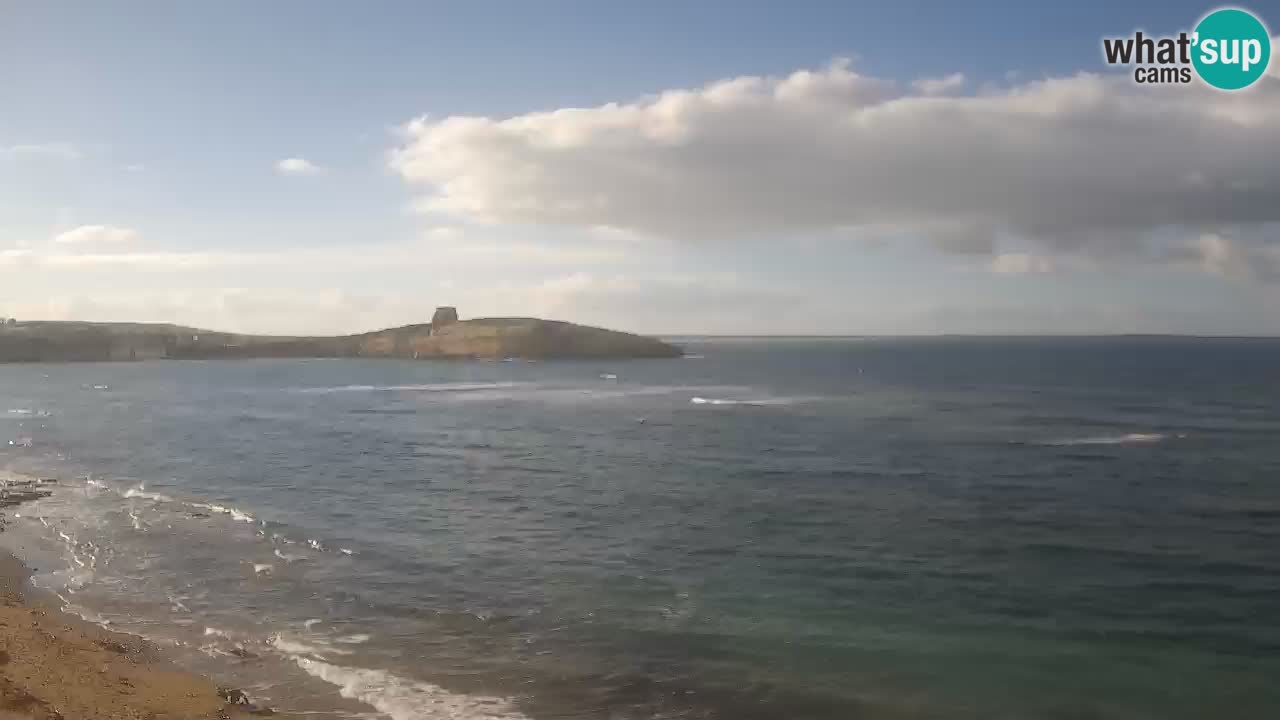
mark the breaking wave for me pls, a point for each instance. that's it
(755, 402)
(1125, 439)
(403, 699)
(428, 387)
(140, 492)
(297, 648)
(28, 412)
(224, 510)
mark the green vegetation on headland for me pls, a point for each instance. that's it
(444, 337)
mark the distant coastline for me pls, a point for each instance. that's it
(445, 337)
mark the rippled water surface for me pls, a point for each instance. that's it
(942, 528)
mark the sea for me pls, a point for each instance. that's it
(767, 528)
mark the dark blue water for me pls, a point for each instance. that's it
(940, 528)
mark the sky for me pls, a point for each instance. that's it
(719, 167)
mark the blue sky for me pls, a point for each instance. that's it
(876, 168)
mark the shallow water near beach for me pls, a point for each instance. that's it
(930, 528)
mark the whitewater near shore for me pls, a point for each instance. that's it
(53, 665)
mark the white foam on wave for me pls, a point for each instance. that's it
(85, 614)
(1125, 439)
(356, 639)
(294, 647)
(141, 492)
(427, 387)
(610, 392)
(262, 568)
(288, 557)
(403, 699)
(757, 402)
(213, 651)
(225, 510)
(68, 580)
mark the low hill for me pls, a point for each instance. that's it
(487, 338)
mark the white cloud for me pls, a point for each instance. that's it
(56, 150)
(1231, 257)
(297, 166)
(145, 260)
(442, 249)
(451, 246)
(1080, 165)
(13, 256)
(1022, 263)
(97, 235)
(939, 86)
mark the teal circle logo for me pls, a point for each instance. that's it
(1232, 49)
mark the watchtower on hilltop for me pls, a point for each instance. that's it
(444, 315)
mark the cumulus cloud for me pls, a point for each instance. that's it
(939, 86)
(1231, 257)
(1019, 263)
(444, 249)
(56, 150)
(1080, 165)
(297, 166)
(97, 235)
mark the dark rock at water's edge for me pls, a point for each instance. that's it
(16, 491)
(444, 337)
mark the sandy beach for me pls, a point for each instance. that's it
(54, 666)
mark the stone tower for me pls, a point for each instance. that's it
(444, 315)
